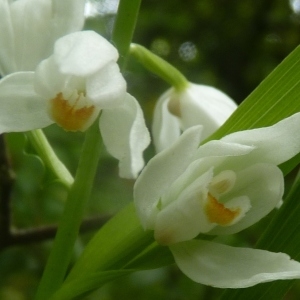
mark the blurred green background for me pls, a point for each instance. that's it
(231, 45)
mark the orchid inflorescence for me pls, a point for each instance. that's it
(195, 190)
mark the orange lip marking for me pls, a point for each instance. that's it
(218, 213)
(67, 116)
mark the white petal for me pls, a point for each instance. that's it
(205, 105)
(165, 126)
(48, 80)
(21, 109)
(183, 219)
(107, 87)
(263, 184)
(32, 36)
(218, 153)
(125, 136)
(83, 53)
(222, 148)
(68, 16)
(275, 144)
(229, 267)
(29, 29)
(161, 172)
(7, 62)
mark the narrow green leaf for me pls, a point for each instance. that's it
(125, 22)
(78, 287)
(154, 256)
(118, 242)
(276, 98)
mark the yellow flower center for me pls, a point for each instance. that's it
(71, 116)
(217, 213)
(234, 209)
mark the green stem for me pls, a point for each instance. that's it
(159, 66)
(124, 27)
(62, 249)
(48, 156)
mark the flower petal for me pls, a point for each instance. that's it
(68, 16)
(7, 62)
(264, 185)
(32, 38)
(221, 148)
(223, 266)
(21, 109)
(161, 171)
(184, 218)
(165, 126)
(218, 152)
(83, 53)
(48, 80)
(275, 144)
(107, 87)
(205, 105)
(125, 136)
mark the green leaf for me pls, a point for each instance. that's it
(120, 244)
(123, 30)
(153, 257)
(276, 98)
(119, 241)
(90, 282)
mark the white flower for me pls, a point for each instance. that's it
(219, 188)
(29, 28)
(71, 87)
(195, 105)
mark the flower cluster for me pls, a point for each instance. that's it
(187, 194)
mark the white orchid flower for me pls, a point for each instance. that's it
(219, 188)
(71, 87)
(29, 28)
(197, 104)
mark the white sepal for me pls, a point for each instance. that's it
(21, 109)
(223, 266)
(125, 135)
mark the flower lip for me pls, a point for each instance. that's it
(73, 113)
(218, 213)
(230, 212)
